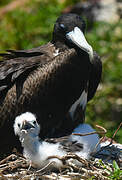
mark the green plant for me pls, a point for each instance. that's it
(116, 174)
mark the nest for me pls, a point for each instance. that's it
(16, 167)
(99, 167)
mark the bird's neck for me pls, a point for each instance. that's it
(64, 45)
(30, 144)
(61, 45)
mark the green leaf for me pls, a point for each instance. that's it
(115, 165)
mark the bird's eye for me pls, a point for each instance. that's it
(62, 26)
(34, 122)
(18, 125)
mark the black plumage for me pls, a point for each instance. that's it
(47, 81)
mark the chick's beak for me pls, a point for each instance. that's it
(26, 125)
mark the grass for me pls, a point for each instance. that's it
(116, 174)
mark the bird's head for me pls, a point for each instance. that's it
(26, 124)
(69, 29)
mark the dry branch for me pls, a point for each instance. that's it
(103, 131)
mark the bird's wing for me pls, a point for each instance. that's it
(36, 88)
(44, 49)
(14, 63)
(95, 76)
(66, 144)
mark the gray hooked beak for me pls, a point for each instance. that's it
(26, 125)
(78, 38)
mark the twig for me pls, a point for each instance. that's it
(45, 167)
(116, 130)
(95, 148)
(104, 131)
(8, 158)
(69, 156)
(3, 177)
(111, 142)
(13, 165)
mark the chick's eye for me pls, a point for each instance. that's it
(34, 122)
(18, 125)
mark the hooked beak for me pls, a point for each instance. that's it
(26, 125)
(78, 38)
